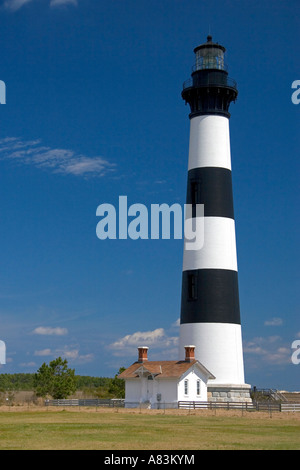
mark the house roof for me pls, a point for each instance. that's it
(162, 369)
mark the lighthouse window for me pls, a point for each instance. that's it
(186, 387)
(192, 286)
(194, 197)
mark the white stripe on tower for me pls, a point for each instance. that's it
(210, 314)
(209, 142)
(219, 248)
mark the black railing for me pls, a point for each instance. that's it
(271, 394)
(210, 80)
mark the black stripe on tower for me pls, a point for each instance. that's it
(211, 186)
(210, 295)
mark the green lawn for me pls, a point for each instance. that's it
(128, 430)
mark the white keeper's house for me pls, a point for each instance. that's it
(163, 383)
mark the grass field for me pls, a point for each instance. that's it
(112, 429)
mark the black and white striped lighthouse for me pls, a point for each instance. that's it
(210, 311)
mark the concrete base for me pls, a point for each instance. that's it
(229, 393)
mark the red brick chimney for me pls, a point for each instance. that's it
(189, 353)
(143, 354)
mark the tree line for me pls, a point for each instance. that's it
(57, 380)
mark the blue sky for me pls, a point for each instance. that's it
(94, 112)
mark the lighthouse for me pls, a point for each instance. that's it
(210, 310)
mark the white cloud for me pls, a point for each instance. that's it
(47, 330)
(28, 364)
(14, 5)
(43, 352)
(57, 160)
(140, 338)
(274, 322)
(270, 350)
(55, 3)
(72, 355)
(156, 339)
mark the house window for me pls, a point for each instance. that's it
(198, 387)
(186, 387)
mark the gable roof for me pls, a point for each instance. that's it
(163, 369)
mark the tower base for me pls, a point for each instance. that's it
(229, 393)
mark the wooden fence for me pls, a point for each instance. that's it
(212, 405)
(291, 407)
(267, 406)
(111, 403)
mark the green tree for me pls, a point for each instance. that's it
(117, 386)
(55, 379)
